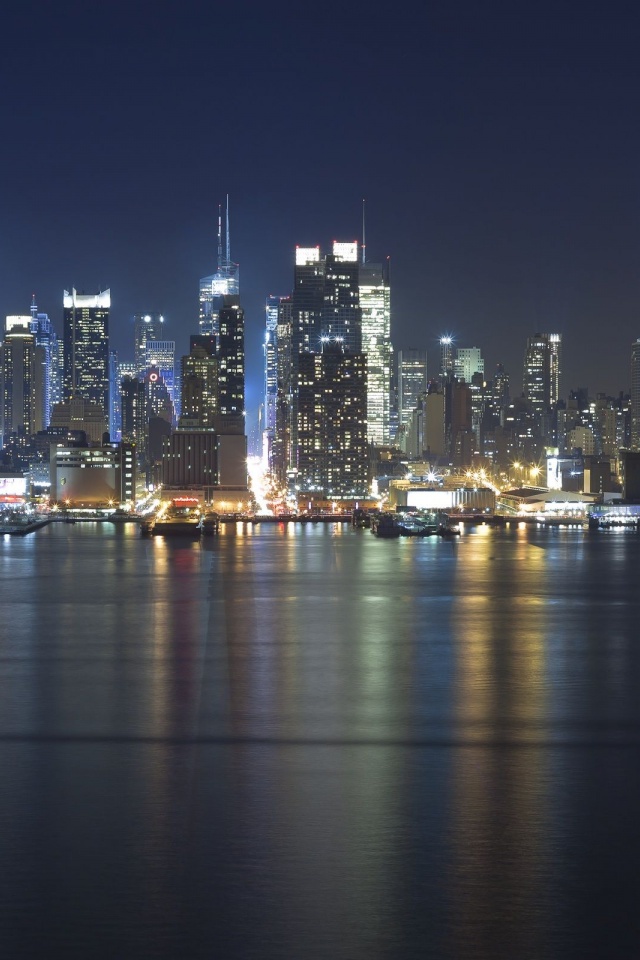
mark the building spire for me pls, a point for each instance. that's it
(34, 308)
(364, 240)
(228, 238)
(219, 237)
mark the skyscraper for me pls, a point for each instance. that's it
(412, 381)
(635, 395)
(146, 326)
(46, 338)
(199, 383)
(162, 354)
(468, 361)
(272, 309)
(332, 453)
(86, 347)
(542, 371)
(225, 282)
(341, 313)
(375, 305)
(231, 361)
(22, 379)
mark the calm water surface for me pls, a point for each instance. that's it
(309, 743)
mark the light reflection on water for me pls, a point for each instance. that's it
(308, 742)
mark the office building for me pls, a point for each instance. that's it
(231, 361)
(375, 304)
(146, 326)
(46, 337)
(635, 395)
(542, 371)
(412, 381)
(468, 361)
(86, 347)
(161, 355)
(225, 282)
(341, 313)
(22, 379)
(98, 475)
(332, 450)
(199, 384)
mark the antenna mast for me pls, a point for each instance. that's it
(364, 241)
(219, 236)
(227, 236)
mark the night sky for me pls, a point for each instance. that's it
(497, 147)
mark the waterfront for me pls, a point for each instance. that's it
(307, 742)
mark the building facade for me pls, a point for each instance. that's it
(86, 347)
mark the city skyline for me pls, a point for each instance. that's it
(498, 166)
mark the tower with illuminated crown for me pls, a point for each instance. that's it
(225, 282)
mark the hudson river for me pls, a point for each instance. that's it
(309, 743)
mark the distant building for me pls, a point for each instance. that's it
(412, 381)
(91, 476)
(375, 305)
(635, 395)
(146, 326)
(206, 459)
(22, 375)
(542, 371)
(225, 282)
(80, 415)
(332, 450)
(161, 354)
(86, 347)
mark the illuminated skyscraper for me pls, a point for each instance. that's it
(162, 354)
(468, 361)
(272, 309)
(225, 282)
(86, 347)
(412, 381)
(46, 338)
(635, 395)
(146, 326)
(231, 361)
(446, 357)
(21, 379)
(341, 313)
(332, 451)
(375, 306)
(199, 383)
(542, 370)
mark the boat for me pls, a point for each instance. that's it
(385, 526)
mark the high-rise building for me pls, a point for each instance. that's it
(231, 360)
(341, 313)
(22, 379)
(225, 282)
(635, 395)
(446, 357)
(332, 451)
(86, 347)
(542, 371)
(412, 381)
(132, 406)
(272, 310)
(199, 384)
(146, 326)
(162, 355)
(47, 338)
(375, 305)
(468, 361)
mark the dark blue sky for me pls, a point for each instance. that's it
(497, 146)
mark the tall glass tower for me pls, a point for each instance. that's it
(225, 282)
(86, 347)
(375, 306)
